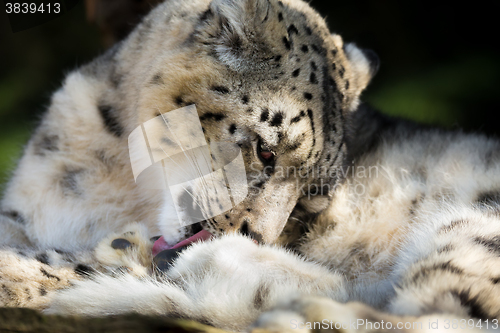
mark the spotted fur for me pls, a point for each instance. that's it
(401, 218)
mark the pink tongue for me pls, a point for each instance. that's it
(161, 244)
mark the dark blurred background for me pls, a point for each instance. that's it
(440, 64)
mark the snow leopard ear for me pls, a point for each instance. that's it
(230, 26)
(241, 16)
(364, 65)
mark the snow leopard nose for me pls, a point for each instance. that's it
(246, 231)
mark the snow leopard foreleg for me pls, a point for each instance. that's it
(225, 282)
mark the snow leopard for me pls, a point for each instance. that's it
(350, 215)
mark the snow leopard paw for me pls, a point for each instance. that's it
(126, 252)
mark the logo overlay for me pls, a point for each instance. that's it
(199, 180)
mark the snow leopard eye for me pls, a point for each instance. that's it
(265, 155)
